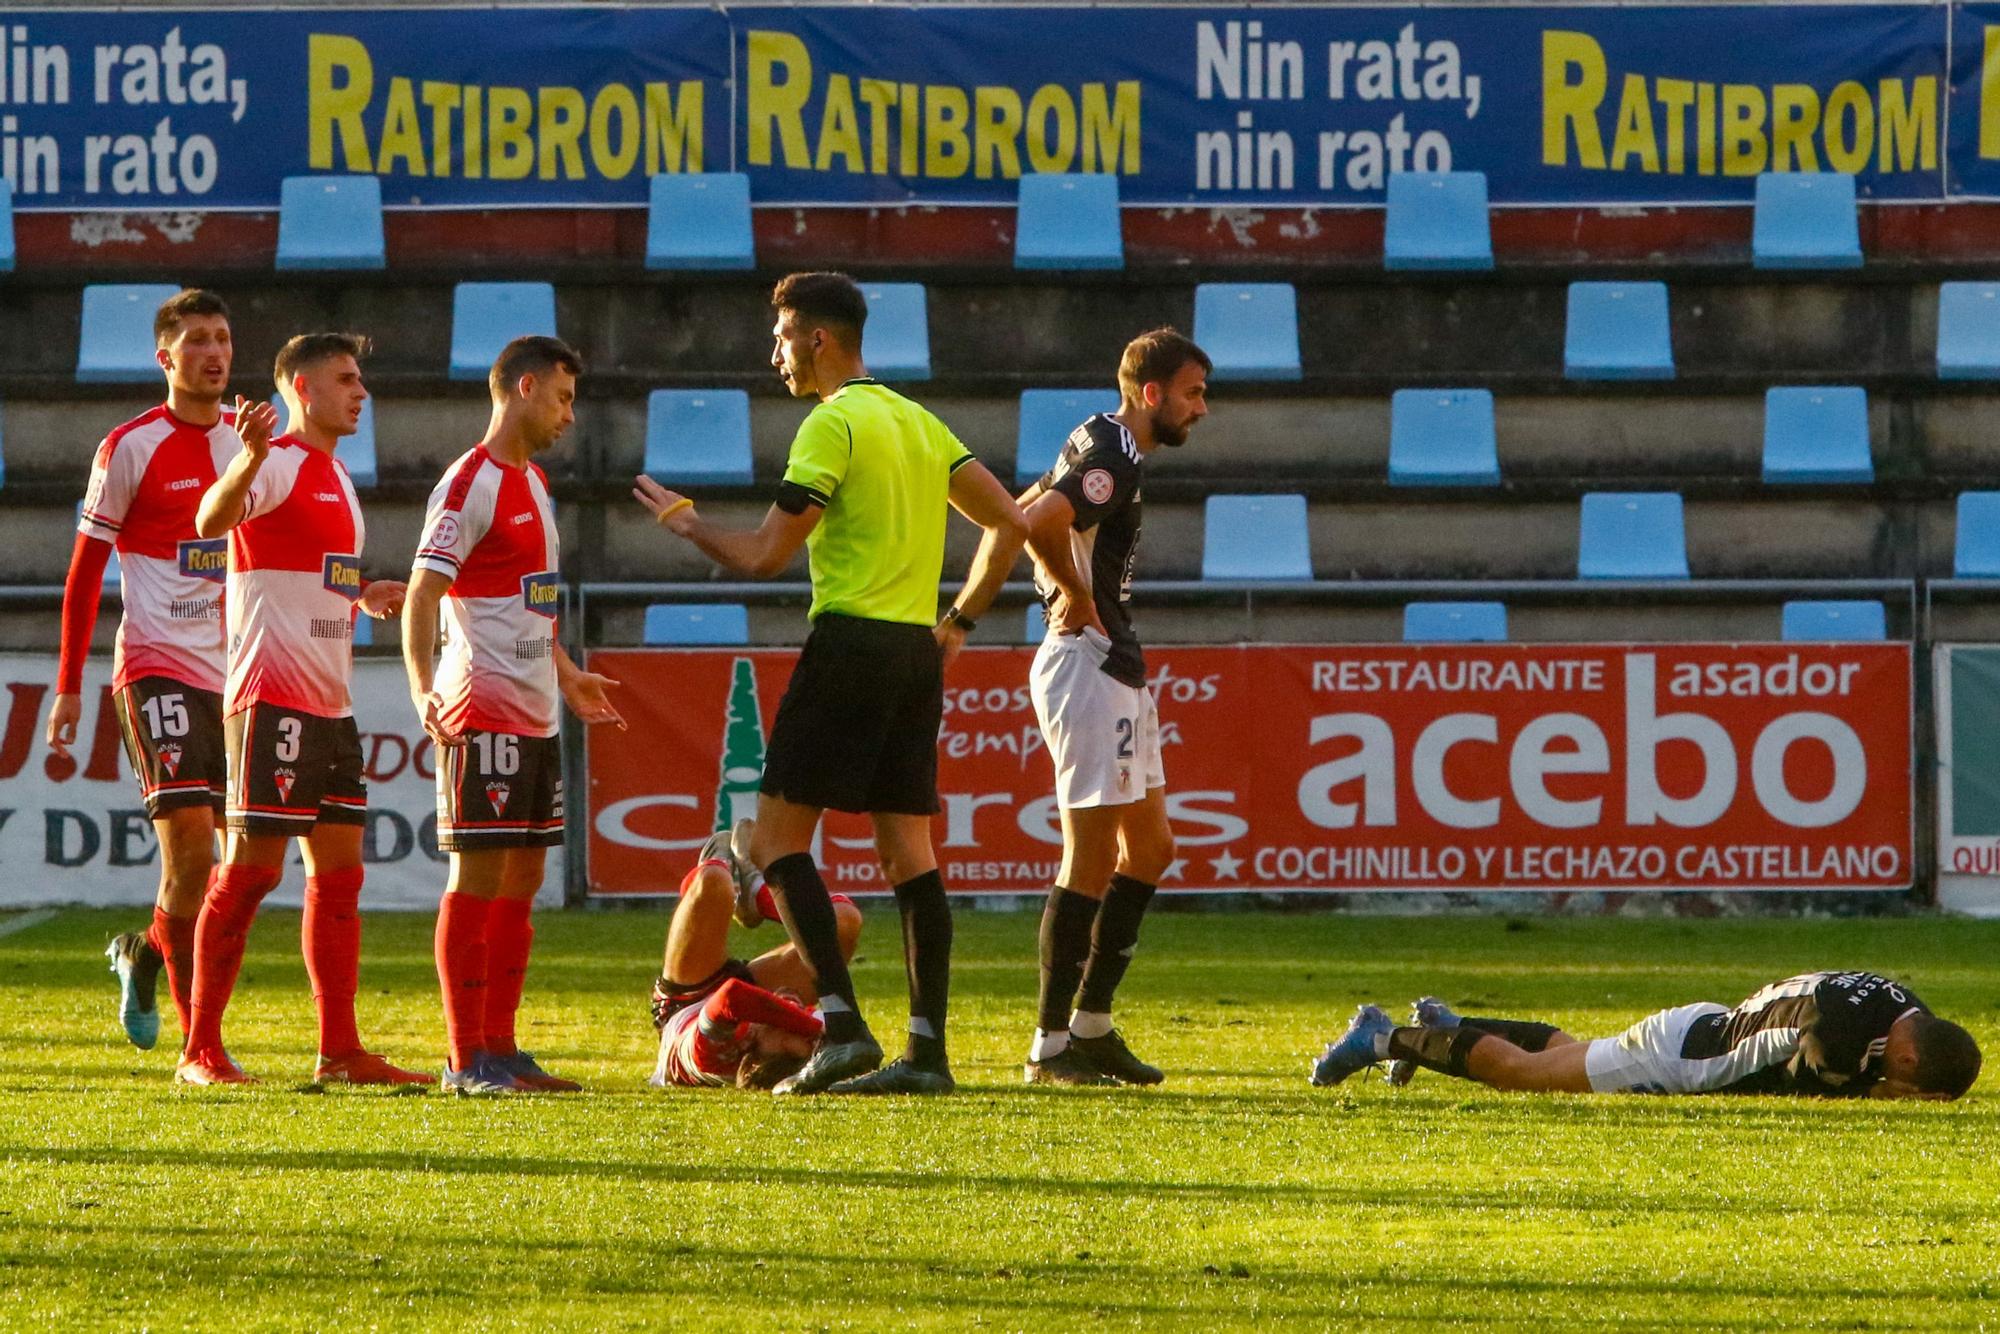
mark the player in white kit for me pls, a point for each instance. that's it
(1103, 733)
(487, 566)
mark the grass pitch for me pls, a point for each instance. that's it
(1234, 1194)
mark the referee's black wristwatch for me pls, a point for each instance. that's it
(953, 616)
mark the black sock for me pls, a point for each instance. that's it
(1112, 940)
(807, 913)
(1067, 919)
(927, 957)
(1522, 1033)
(1441, 1049)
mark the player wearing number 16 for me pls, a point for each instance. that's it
(486, 565)
(295, 536)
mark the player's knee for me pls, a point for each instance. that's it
(1150, 860)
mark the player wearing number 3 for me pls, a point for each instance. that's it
(294, 756)
(487, 567)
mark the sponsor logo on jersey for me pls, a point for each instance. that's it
(283, 779)
(184, 484)
(331, 497)
(170, 758)
(526, 517)
(205, 558)
(1098, 486)
(342, 575)
(497, 793)
(542, 593)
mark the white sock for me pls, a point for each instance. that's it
(1382, 1046)
(1086, 1024)
(921, 1027)
(1048, 1044)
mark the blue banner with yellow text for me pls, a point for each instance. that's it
(1286, 105)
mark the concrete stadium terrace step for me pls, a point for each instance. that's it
(918, 237)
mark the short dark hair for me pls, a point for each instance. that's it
(764, 1069)
(1948, 1059)
(531, 354)
(189, 301)
(1156, 356)
(823, 298)
(311, 349)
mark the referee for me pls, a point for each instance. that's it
(865, 491)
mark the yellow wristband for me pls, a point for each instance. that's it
(684, 503)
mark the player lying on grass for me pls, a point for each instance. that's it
(721, 1020)
(1836, 1035)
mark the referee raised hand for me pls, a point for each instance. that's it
(870, 477)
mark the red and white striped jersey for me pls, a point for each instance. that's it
(695, 1055)
(146, 483)
(491, 529)
(294, 575)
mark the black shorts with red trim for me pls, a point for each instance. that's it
(671, 997)
(499, 790)
(173, 737)
(290, 770)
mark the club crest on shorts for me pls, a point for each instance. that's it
(342, 575)
(1098, 486)
(497, 793)
(283, 780)
(170, 758)
(542, 593)
(205, 558)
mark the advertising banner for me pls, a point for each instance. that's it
(74, 832)
(1968, 726)
(1477, 767)
(165, 109)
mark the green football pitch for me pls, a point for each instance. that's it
(1234, 1194)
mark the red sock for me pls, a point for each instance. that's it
(766, 905)
(461, 963)
(510, 934)
(219, 934)
(330, 938)
(173, 937)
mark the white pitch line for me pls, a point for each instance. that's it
(27, 920)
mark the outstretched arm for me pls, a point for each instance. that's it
(759, 553)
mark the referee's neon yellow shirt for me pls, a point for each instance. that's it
(881, 466)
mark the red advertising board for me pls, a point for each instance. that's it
(1351, 767)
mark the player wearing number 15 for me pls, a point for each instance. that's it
(487, 564)
(145, 482)
(295, 537)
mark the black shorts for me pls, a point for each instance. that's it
(500, 790)
(857, 729)
(173, 736)
(290, 770)
(670, 997)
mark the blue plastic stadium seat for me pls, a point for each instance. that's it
(1442, 437)
(698, 437)
(1976, 553)
(330, 222)
(1836, 620)
(6, 226)
(1250, 330)
(1068, 222)
(1968, 333)
(1036, 627)
(1817, 435)
(1255, 537)
(364, 630)
(115, 343)
(1618, 331)
(1632, 535)
(1455, 623)
(896, 342)
(697, 623)
(1805, 220)
(700, 221)
(485, 317)
(1437, 220)
(1047, 418)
